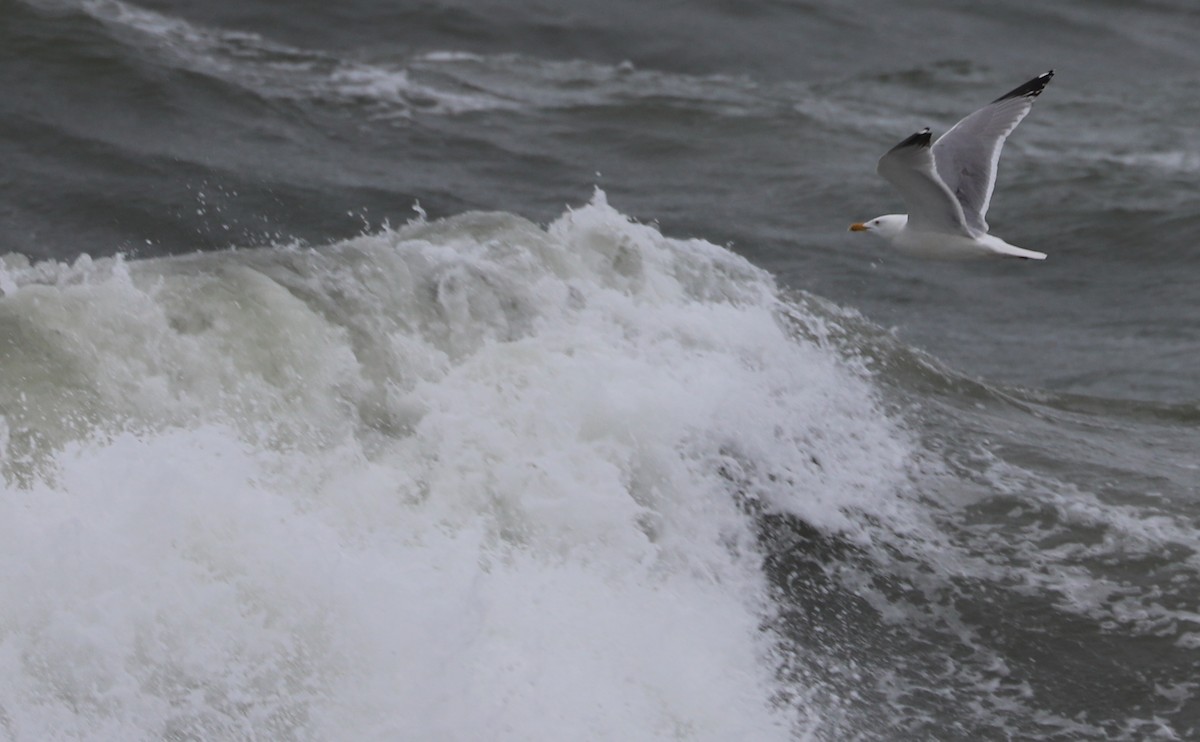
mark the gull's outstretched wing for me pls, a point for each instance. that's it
(932, 207)
(967, 155)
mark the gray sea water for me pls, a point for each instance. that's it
(458, 371)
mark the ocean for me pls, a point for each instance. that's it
(505, 371)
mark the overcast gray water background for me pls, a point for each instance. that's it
(1044, 580)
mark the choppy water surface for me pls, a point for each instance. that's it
(505, 372)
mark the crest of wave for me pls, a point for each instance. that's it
(470, 479)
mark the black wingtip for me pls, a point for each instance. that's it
(921, 139)
(1031, 89)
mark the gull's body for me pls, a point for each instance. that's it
(947, 185)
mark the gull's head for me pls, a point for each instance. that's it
(888, 225)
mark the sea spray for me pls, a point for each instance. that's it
(466, 479)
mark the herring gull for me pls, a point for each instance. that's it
(948, 185)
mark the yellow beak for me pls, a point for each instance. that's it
(858, 227)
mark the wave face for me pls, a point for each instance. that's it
(467, 479)
(476, 478)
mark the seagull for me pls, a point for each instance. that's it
(948, 185)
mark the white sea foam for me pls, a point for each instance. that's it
(466, 480)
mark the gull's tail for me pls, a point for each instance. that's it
(1001, 248)
(1012, 251)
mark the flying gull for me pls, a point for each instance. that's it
(947, 186)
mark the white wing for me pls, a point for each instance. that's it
(932, 207)
(966, 156)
